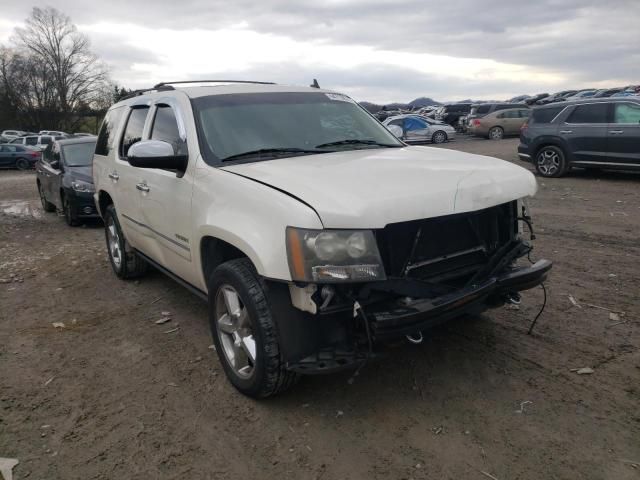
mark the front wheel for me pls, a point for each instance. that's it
(551, 162)
(46, 205)
(22, 164)
(244, 331)
(125, 262)
(69, 216)
(439, 137)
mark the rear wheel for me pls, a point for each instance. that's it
(244, 331)
(22, 164)
(439, 137)
(551, 162)
(46, 206)
(125, 262)
(496, 133)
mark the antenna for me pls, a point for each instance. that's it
(315, 84)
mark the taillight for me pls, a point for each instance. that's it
(35, 154)
(476, 122)
(524, 126)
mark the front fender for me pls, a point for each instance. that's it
(251, 216)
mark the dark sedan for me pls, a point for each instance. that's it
(18, 156)
(65, 181)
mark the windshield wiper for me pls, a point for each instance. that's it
(270, 151)
(355, 141)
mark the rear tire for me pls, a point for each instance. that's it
(125, 262)
(496, 133)
(46, 205)
(244, 331)
(22, 164)
(551, 162)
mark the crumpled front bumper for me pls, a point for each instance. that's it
(392, 319)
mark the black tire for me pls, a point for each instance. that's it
(439, 137)
(46, 205)
(268, 376)
(131, 265)
(23, 164)
(551, 162)
(495, 133)
(67, 211)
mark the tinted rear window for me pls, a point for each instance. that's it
(480, 110)
(545, 115)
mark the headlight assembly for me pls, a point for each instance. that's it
(80, 186)
(333, 255)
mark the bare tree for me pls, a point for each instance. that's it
(63, 58)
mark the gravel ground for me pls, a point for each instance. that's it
(113, 395)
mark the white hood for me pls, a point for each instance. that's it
(372, 188)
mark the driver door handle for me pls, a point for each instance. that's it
(566, 131)
(114, 176)
(616, 132)
(142, 187)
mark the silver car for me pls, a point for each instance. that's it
(418, 129)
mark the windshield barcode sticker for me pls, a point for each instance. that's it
(338, 97)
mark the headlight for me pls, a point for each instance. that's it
(80, 186)
(333, 255)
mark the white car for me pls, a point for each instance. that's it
(314, 234)
(11, 133)
(38, 142)
(418, 129)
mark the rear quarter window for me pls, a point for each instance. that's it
(545, 115)
(107, 135)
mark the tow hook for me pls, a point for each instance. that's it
(513, 298)
(415, 338)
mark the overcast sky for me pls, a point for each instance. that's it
(376, 50)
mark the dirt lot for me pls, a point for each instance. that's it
(113, 395)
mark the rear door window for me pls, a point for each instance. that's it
(414, 124)
(590, 113)
(626, 113)
(133, 130)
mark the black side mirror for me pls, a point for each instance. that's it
(156, 154)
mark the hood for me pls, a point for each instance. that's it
(372, 188)
(80, 173)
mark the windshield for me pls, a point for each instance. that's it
(262, 126)
(78, 154)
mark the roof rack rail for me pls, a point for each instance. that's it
(168, 84)
(142, 91)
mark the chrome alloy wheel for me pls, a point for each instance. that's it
(496, 133)
(548, 162)
(439, 137)
(235, 331)
(114, 242)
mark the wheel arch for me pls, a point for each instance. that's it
(104, 200)
(218, 248)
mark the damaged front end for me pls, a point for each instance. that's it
(436, 269)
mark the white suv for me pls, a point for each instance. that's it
(314, 234)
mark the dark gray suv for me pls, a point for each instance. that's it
(591, 133)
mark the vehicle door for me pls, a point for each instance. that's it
(52, 171)
(624, 134)
(6, 157)
(164, 196)
(125, 177)
(585, 132)
(512, 122)
(42, 174)
(416, 130)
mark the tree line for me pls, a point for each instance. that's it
(51, 79)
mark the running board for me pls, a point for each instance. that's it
(173, 276)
